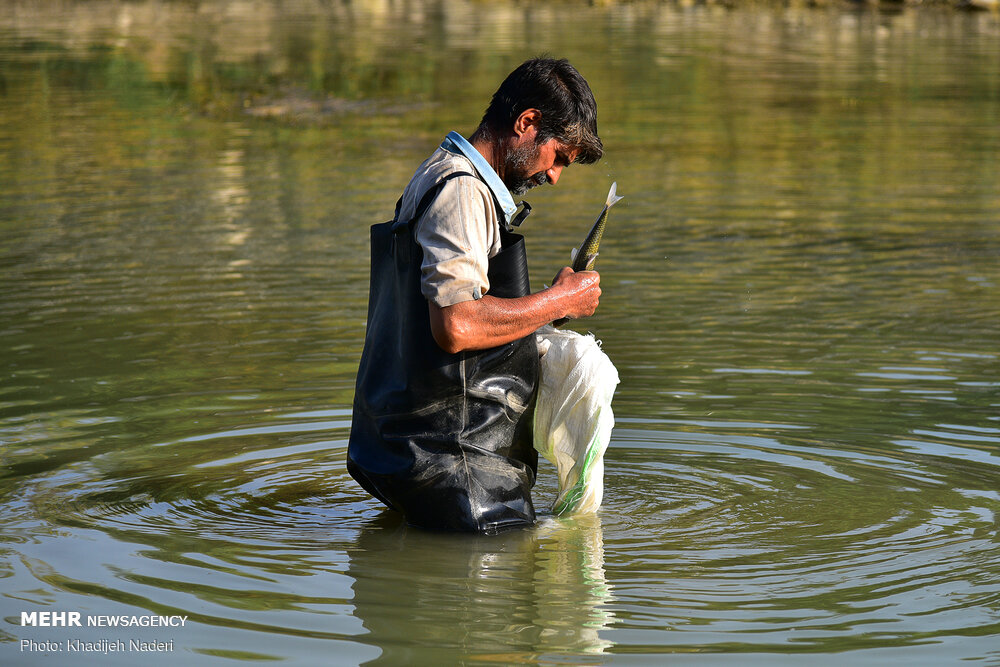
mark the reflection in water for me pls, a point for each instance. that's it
(231, 195)
(511, 599)
(801, 296)
(571, 583)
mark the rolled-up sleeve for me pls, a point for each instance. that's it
(458, 234)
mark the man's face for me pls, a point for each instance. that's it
(529, 163)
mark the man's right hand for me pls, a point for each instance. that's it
(580, 291)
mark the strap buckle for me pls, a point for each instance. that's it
(518, 218)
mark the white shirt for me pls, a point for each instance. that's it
(460, 230)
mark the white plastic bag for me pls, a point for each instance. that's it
(573, 417)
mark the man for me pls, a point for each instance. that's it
(442, 412)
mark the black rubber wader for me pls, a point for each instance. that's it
(443, 438)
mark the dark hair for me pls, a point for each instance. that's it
(560, 93)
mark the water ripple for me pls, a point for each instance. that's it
(831, 539)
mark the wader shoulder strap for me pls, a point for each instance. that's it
(425, 201)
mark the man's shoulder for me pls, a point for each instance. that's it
(442, 165)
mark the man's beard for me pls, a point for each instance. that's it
(516, 164)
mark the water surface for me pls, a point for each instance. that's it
(801, 297)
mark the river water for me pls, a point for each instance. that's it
(801, 294)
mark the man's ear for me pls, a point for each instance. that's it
(529, 118)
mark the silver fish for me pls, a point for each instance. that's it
(586, 256)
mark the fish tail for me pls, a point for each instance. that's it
(612, 196)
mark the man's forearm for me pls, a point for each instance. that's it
(492, 321)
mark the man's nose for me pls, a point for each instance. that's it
(553, 173)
